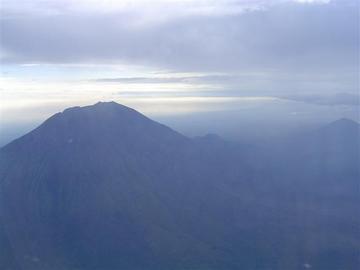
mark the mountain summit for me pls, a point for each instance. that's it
(98, 125)
(105, 187)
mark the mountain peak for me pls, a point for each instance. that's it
(108, 104)
(344, 123)
(345, 120)
(99, 124)
(101, 105)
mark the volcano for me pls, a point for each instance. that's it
(105, 187)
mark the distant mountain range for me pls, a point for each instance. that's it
(103, 187)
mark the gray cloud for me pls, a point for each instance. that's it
(282, 36)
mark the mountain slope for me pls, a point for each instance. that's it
(106, 180)
(104, 187)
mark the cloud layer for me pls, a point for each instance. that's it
(183, 35)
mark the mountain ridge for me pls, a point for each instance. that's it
(110, 106)
(105, 187)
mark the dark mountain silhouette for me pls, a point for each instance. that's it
(104, 187)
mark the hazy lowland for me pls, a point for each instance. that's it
(105, 187)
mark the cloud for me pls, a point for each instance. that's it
(243, 83)
(330, 100)
(201, 79)
(183, 35)
(174, 8)
(313, 1)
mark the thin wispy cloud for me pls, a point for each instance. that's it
(327, 99)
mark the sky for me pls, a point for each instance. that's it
(290, 61)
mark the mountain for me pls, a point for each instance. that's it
(336, 147)
(332, 151)
(104, 187)
(94, 182)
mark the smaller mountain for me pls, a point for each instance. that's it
(344, 123)
(344, 131)
(325, 157)
(334, 147)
